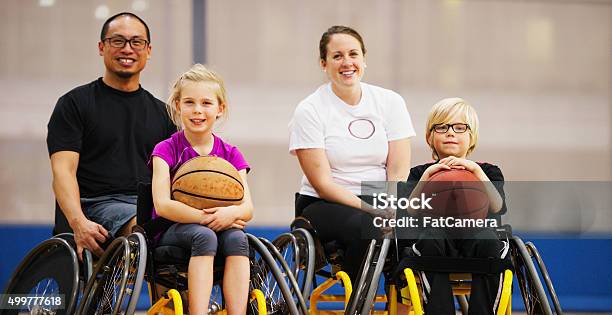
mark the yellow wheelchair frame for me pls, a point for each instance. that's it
(409, 294)
(172, 304)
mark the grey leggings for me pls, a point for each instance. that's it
(202, 241)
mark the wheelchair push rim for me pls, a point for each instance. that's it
(534, 297)
(115, 285)
(297, 249)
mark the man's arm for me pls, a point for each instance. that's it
(87, 234)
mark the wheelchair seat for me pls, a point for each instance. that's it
(171, 255)
(178, 256)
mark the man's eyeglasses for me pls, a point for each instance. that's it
(135, 43)
(457, 128)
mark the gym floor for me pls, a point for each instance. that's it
(458, 313)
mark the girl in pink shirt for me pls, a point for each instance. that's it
(198, 99)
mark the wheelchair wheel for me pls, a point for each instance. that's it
(116, 282)
(551, 289)
(38, 275)
(288, 273)
(267, 277)
(297, 249)
(138, 263)
(362, 299)
(532, 291)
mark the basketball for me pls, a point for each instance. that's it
(456, 193)
(207, 182)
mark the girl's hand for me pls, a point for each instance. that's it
(220, 218)
(239, 224)
(459, 163)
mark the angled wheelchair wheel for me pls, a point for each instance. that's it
(551, 289)
(362, 299)
(115, 284)
(288, 274)
(532, 291)
(138, 263)
(51, 268)
(297, 249)
(267, 278)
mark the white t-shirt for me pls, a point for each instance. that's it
(355, 137)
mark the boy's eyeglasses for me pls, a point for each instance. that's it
(135, 43)
(457, 128)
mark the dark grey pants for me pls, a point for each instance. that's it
(202, 241)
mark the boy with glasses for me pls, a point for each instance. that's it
(100, 136)
(452, 134)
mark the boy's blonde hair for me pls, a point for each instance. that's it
(443, 111)
(197, 73)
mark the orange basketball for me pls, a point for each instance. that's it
(456, 193)
(206, 182)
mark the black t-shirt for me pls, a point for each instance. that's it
(113, 131)
(492, 171)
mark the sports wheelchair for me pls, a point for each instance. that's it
(460, 271)
(307, 257)
(166, 266)
(52, 268)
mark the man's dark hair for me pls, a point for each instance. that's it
(112, 18)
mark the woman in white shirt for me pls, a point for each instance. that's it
(345, 133)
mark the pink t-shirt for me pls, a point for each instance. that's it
(177, 150)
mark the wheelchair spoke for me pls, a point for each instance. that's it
(43, 288)
(111, 297)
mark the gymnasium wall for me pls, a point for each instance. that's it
(538, 72)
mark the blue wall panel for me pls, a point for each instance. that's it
(581, 268)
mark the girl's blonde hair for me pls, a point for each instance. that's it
(197, 73)
(443, 111)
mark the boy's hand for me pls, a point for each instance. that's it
(432, 170)
(220, 218)
(459, 163)
(387, 213)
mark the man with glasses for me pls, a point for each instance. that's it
(100, 136)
